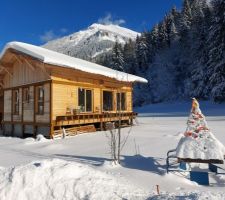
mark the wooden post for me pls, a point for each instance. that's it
(51, 112)
(3, 113)
(157, 189)
(22, 112)
(131, 120)
(51, 131)
(12, 125)
(101, 122)
(35, 131)
(34, 111)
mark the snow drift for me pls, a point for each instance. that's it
(58, 179)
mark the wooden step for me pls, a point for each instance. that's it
(74, 131)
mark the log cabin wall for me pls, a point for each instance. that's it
(24, 78)
(27, 120)
(24, 73)
(65, 92)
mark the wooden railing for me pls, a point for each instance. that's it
(89, 118)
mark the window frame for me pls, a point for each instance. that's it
(16, 101)
(124, 104)
(112, 101)
(26, 95)
(85, 99)
(40, 100)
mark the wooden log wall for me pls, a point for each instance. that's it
(27, 110)
(65, 97)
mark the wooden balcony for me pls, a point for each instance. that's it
(92, 118)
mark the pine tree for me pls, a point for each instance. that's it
(129, 57)
(154, 39)
(117, 57)
(186, 16)
(142, 53)
(199, 50)
(185, 24)
(163, 35)
(216, 42)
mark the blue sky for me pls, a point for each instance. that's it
(37, 21)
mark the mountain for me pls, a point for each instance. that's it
(92, 43)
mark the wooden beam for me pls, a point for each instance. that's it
(2, 69)
(42, 66)
(23, 59)
(17, 58)
(6, 70)
(1, 84)
(28, 84)
(6, 64)
(1, 76)
(28, 63)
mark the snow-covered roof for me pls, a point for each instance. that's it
(54, 58)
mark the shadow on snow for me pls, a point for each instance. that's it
(137, 162)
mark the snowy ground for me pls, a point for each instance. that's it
(79, 167)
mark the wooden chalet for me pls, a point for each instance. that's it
(43, 91)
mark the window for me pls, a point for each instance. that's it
(40, 100)
(107, 101)
(85, 100)
(121, 101)
(26, 95)
(16, 102)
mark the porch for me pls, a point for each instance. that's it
(94, 118)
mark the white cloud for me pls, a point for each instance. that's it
(108, 19)
(48, 35)
(51, 35)
(63, 30)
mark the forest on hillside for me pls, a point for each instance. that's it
(182, 56)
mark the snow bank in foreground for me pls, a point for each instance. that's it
(62, 180)
(58, 179)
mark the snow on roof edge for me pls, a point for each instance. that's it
(62, 60)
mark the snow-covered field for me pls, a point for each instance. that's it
(79, 167)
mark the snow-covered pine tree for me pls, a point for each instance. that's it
(199, 32)
(163, 37)
(130, 64)
(216, 42)
(117, 57)
(185, 21)
(154, 39)
(173, 35)
(186, 14)
(142, 53)
(176, 15)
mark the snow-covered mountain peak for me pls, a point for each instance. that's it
(93, 42)
(115, 29)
